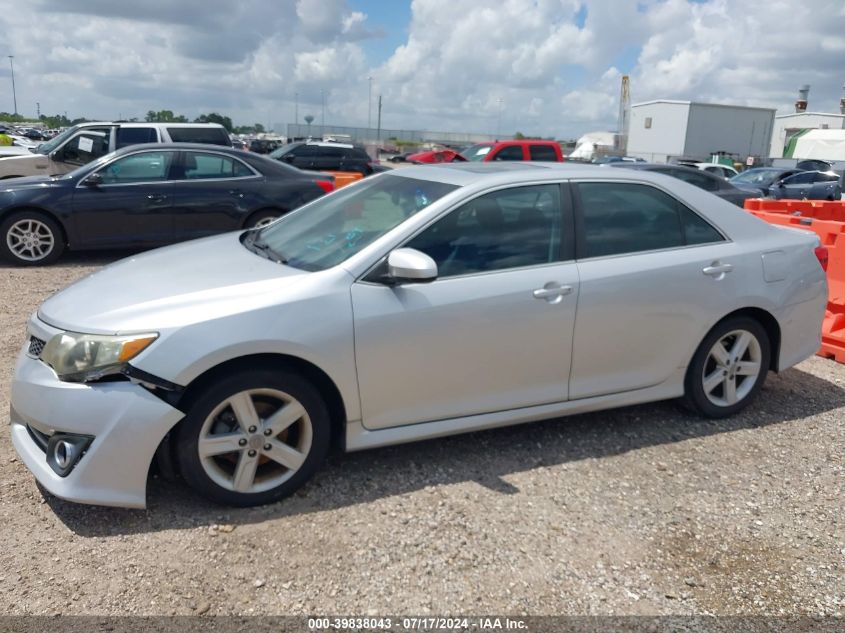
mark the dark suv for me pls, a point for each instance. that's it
(325, 156)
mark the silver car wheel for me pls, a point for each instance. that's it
(732, 367)
(255, 440)
(264, 222)
(30, 240)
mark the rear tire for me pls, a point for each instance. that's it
(728, 368)
(263, 218)
(30, 238)
(253, 437)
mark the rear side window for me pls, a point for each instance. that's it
(510, 152)
(542, 152)
(206, 166)
(627, 218)
(134, 135)
(208, 135)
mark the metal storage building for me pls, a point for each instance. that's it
(663, 130)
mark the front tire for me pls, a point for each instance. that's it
(30, 238)
(254, 437)
(728, 369)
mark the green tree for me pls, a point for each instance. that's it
(213, 117)
(164, 116)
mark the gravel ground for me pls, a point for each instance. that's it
(642, 510)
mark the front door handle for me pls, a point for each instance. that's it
(236, 192)
(717, 270)
(552, 292)
(156, 197)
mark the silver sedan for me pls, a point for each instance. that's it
(418, 303)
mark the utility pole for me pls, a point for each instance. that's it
(14, 93)
(370, 105)
(296, 108)
(378, 133)
(38, 110)
(498, 118)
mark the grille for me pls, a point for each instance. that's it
(36, 346)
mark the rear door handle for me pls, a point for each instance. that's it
(717, 269)
(552, 292)
(156, 197)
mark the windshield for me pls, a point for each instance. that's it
(53, 143)
(476, 152)
(756, 176)
(330, 230)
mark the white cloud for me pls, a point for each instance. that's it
(477, 65)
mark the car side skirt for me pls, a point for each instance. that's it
(359, 438)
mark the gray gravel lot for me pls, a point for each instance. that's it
(642, 510)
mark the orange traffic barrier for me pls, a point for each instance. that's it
(343, 178)
(827, 220)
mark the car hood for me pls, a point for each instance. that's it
(26, 182)
(171, 287)
(748, 188)
(26, 165)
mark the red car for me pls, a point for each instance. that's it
(529, 149)
(436, 156)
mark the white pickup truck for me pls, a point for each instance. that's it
(85, 142)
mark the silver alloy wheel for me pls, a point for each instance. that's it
(265, 221)
(255, 440)
(30, 240)
(732, 368)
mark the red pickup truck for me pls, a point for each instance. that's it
(515, 150)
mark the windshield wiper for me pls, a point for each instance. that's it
(267, 250)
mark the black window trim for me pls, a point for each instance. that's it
(81, 183)
(580, 229)
(255, 173)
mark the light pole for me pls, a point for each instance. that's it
(370, 105)
(14, 94)
(498, 117)
(296, 108)
(323, 113)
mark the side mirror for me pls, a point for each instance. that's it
(779, 183)
(409, 264)
(93, 180)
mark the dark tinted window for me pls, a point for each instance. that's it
(500, 230)
(333, 152)
(511, 152)
(804, 178)
(696, 177)
(305, 151)
(134, 135)
(209, 135)
(626, 218)
(359, 154)
(542, 152)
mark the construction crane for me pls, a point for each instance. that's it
(624, 115)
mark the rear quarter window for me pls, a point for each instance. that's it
(133, 135)
(542, 152)
(210, 135)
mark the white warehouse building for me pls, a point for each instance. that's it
(662, 130)
(790, 126)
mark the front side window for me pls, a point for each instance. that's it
(330, 230)
(82, 149)
(627, 218)
(477, 152)
(206, 166)
(500, 230)
(805, 178)
(144, 167)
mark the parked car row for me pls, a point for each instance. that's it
(148, 195)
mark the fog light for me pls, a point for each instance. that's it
(64, 451)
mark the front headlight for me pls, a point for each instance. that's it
(83, 357)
